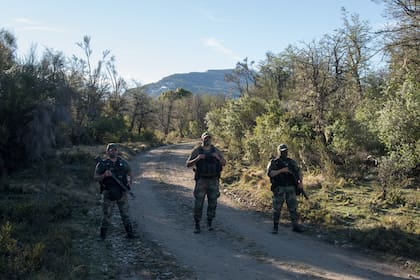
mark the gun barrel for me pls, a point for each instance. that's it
(305, 195)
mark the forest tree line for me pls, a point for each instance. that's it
(55, 101)
(338, 111)
(325, 98)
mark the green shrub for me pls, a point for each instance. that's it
(17, 261)
(313, 212)
(149, 136)
(76, 158)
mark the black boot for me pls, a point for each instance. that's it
(209, 226)
(275, 228)
(297, 228)
(129, 230)
(103, 233)
(197, 227)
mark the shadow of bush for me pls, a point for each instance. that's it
(389, 240)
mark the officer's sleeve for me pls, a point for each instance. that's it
(193, 155)
(269, 167)
(98, 169)
(296, 169)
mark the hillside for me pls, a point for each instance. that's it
(209, 82)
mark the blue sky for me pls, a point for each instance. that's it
(155, 38)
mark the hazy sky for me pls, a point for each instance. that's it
(152, 39)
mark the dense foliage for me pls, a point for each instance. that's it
(54, 101)
(338, 111)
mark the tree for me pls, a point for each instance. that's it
(34, 104)
(92, 86)
(273, 77)
(139, 110)
(356, 38)
(243, 76)
(234, 120)
(7, 49)
(118, 86)
(402, 38)
(168, 99)
(317, 75)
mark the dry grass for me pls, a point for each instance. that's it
(39, 212)
(343, 211)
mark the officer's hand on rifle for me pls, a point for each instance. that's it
(215, 155)
(201, 156)
(107, 173)
(284, 170)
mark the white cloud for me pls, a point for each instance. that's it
(26, 24)
(40, 28)
(218, 46)
(24, 20)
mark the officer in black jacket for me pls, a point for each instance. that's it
(284, 175)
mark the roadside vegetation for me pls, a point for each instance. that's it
(352, 126)
(47, 212)
(347, 214)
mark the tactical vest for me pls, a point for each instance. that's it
(284, 179)
(208, 167)
(119, 169)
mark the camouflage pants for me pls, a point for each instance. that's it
(108, 205)
(281, 194)
(203, 187)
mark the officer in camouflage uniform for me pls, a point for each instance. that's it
(284, 174)
(107, 172)
(207, 161)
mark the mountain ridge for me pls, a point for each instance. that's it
(209, 82)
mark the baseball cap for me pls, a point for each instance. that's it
(111, 146)
(282, 147)
(205, 135)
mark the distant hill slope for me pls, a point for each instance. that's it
(210, 82)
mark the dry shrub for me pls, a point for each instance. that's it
(390, 240)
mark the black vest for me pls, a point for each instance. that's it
(284, 179)
(208, 167)
(118, 169)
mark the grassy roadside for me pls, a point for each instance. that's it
(345, 213)
(49, 214)
(49, 217)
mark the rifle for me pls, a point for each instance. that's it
(300, 192)
(124, 187)
(295, 181)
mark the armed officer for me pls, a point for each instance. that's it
(208, 162)
(114, 175)
(284, 175)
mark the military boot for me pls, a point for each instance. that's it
(129, 230)
(209, 226)
(103, 233)
(275, 228)
(297, 228)
(197, 227)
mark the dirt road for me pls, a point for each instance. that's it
(241, 246)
